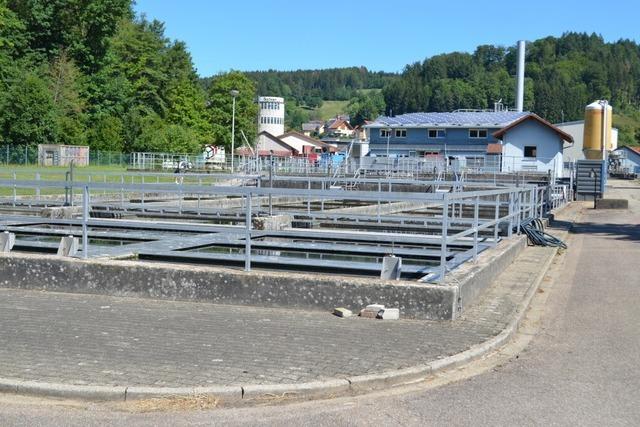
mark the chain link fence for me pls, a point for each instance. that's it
(27, 155)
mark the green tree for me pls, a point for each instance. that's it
(27, 111)
(107, 133)
(65, 84)
(185, 98)
(365, 107)
(295, 116)
(220, 108)
(81, 27)
(12, 31)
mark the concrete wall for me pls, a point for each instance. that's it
(223, 286)
(472, 279)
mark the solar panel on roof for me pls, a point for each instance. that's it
(477, 118)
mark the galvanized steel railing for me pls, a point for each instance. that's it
(508, 206)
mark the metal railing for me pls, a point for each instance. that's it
(470, 219)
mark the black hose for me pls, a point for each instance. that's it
(534, 229)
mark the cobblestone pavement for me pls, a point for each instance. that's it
(100, 340)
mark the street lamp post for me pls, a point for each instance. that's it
(233, 93)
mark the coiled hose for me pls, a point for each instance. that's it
(534, 229)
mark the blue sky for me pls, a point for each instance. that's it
(381, 35)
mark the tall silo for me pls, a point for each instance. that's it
(598, 135)
(271, 115)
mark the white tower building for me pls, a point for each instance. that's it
(271, 115)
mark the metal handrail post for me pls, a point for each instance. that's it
(519, 211)
(497, 215)
(510, 214)
(309, 197)
(476, 213)
(247, 235)
(85, 218)
(445, 232)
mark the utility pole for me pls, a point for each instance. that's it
(233, 93)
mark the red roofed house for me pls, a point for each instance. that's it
(339, 127)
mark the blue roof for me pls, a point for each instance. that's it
(456, 118)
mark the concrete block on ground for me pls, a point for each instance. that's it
(612, 204)
(368, 314)
(68, 246)
(7, 240)
(342, 312)
(389, 314)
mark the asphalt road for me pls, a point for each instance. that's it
(582, 367)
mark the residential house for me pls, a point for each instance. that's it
(339, 127)
(314, 127)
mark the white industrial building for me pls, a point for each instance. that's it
(271, 115)
(532, 144)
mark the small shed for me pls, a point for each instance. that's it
(531, 143)
(62, 155)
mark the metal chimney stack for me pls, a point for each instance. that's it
(520, 76)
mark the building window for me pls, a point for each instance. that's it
(477, 133)
(385, 133)
(530, 151)
(437, 133)
(401, 133)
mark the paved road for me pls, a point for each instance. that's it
(581, 369)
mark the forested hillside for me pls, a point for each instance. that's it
(310, 87)
(90, 72)
(563, 75)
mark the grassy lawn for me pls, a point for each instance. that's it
(95, 174)
(330, 109)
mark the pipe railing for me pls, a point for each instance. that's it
(475, 211)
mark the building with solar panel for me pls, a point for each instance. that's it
(507, 141)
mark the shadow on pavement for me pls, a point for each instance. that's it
(618, 231)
